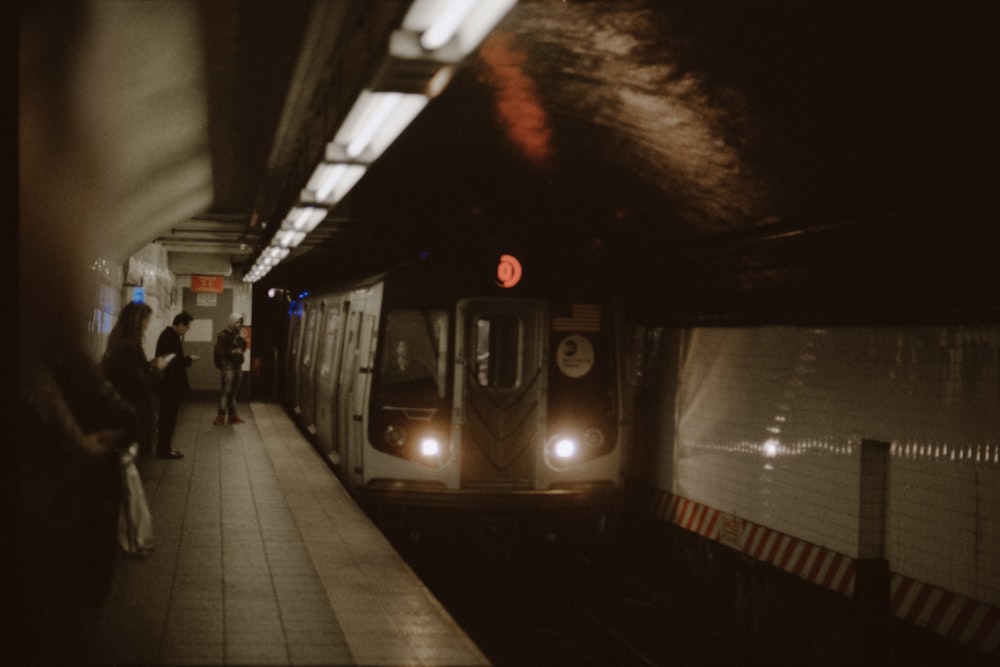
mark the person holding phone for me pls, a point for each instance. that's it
(170, 349)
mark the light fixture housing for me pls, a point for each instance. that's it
(457, 26)
(330, 182)
(374, 122)
(303, 218)
(289, 238)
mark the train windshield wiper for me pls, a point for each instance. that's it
(423, 414)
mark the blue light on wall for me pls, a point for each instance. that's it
(138, 294)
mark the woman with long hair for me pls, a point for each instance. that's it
(129, 371)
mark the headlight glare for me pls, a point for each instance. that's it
(430, 447)
(565, 448)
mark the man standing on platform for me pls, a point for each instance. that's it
(174, 383)
(230, 346)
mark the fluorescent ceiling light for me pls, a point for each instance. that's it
(466, 21)
(257, 273)
(446, 23)
(331, 182)
(374, 122)
(481, 21)
(277, 252)
(303, 218)
(289, 238)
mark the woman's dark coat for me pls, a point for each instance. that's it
(129, 371)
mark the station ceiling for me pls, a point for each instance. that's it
(717, 160)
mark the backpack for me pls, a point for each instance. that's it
(223, 348)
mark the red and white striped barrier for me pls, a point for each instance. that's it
(813, 563)
(956, 617)
(964, 620)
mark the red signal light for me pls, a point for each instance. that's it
(509, 271)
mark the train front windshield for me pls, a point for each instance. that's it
(409, 416)
(413, 365)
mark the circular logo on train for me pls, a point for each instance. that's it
(575, 356)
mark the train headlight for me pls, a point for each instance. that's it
(570, 447)
(395, 436)
(430, 448)
(565, 449)
(562, 450)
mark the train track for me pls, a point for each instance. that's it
(559, 608)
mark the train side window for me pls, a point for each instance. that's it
(332, 325)
(307, 347)
(497, 353)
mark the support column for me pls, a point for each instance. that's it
(872, 582)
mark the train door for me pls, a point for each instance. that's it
(311, 396)
(500, 392)
(359, 399)
(326, 382)
(344, 408)
(292, 356)
(313, 316)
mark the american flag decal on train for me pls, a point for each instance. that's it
(583, 317)
(961, 619)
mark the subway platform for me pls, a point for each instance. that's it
(262, 558)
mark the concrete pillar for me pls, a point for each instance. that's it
(871, 582)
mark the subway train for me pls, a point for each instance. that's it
(457, 386)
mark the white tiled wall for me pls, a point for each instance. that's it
(769, 424)
(946, 527)
(149, 268)
(109, 284)
(105, 290)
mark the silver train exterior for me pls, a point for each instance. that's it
(510, 401)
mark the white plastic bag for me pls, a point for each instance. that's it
(135, 522)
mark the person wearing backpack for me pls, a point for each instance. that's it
(230, 348)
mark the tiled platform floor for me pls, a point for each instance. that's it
(263, 558)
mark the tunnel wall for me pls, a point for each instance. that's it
(764, 443)
(111, 284)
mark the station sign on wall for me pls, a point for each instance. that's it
(207, 284)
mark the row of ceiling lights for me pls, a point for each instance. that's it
(434, 37)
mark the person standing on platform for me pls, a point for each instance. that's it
(174, 383)
(126, 366)
(230, 348)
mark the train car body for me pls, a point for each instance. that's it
(438, 387)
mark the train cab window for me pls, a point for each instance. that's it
(307, 344)
(497, 355)
(413, 362)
